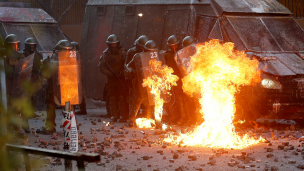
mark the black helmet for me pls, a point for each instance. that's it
(151, 46)
(64, 45)
(141, 41)
(30, 45)
(75, 45)
(12, 38)
(172, 40)
(188, 41)
(12, 42)
(113, 39)
(30, 41)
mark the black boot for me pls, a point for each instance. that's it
(124, 109)
(134, 110)
(114, 108)
(83, 108)
(184, 117)
(158, 125)
(48, 130)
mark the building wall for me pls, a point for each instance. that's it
(295, 6)
(301, 22)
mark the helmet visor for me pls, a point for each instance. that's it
(14, 46)
(113, 45)
(30, 47)
(174, 47)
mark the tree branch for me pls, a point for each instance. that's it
(66, 12)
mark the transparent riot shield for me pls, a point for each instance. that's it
(67, 82)
(142, 70)
(22, 75)
(183, 58)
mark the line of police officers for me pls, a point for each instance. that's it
(123, 95)
(43, 71)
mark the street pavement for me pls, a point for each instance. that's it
(124, 148)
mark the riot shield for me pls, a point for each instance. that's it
(142, 70)
(67, 81)
(22, 74)
(183, 57)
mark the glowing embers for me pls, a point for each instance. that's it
(160, 82)
(217, 72)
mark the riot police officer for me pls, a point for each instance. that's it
(139, 47)
(82, 106)
(112, 65)
(12, 45)
(173, 44)
(188, 40)
(191, 103)
(30, 48)
(150, 46)
(48, 70)
(75, 46)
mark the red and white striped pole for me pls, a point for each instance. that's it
(66, 123)
(73, 134)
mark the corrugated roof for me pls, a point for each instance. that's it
(250, 6)
(139, 2)
(25, 15)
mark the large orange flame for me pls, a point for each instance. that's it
(216, 73)
(160, 82)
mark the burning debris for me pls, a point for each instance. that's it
(215, 74)
(160, 82)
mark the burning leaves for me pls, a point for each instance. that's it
(216, 73)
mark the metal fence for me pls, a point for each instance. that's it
(295, 6)
(79, 157)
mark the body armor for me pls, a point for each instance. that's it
(139, 67)
(112, 65)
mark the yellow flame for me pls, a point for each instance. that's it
(164, 127)
(160, 82)
(217, 72)
(145, 123)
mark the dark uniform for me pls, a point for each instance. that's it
(48, 71)
(191, 103)
(178, 95)
(112, 65)
(12, 55)
(12, 44)
(30, 48)
(82, 106)
(137, 99)
(139, 47)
